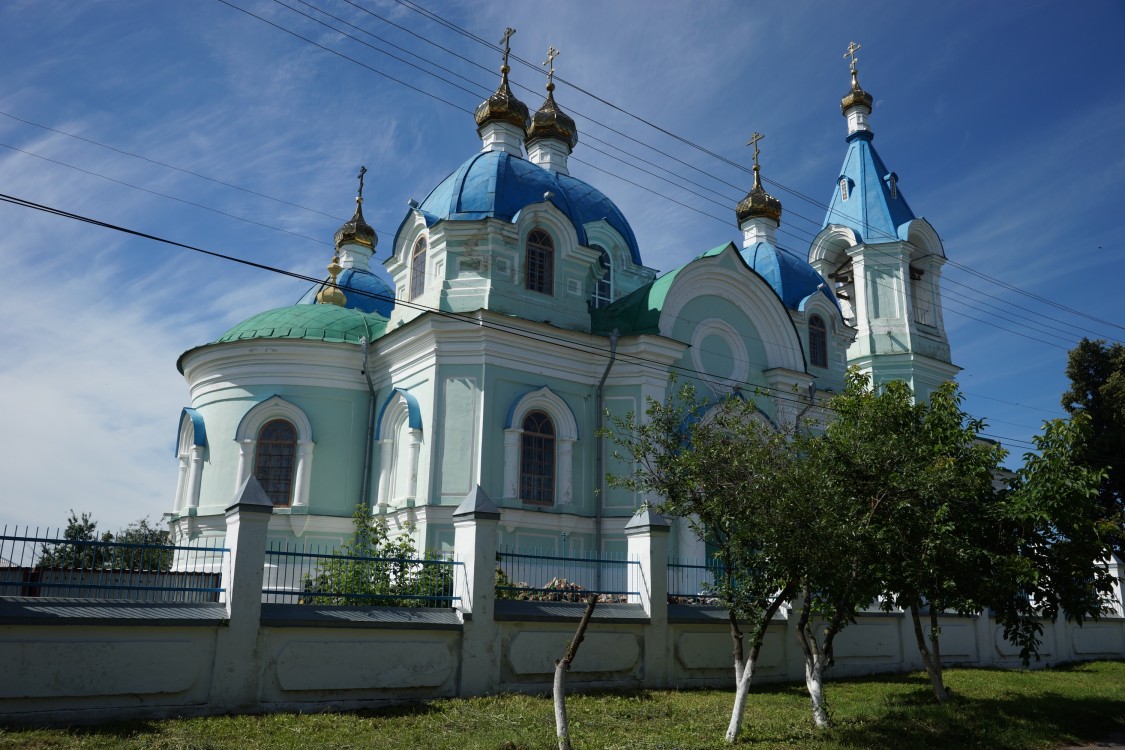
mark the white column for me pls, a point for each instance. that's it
(303, 477)
(386, 465)
(415, 450)
(245, 461)
(180, 498)
(194, 476)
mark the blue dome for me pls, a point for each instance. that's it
(495, 184)
(365, 291)
(790, 276)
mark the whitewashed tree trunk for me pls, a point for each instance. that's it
(814, 681)
(744, 674)
(562, 727)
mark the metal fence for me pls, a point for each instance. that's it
(542, 577)
(296, 575)
(46, 564)
(695, 581)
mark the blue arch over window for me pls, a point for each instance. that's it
(199, 430)
(413, 413)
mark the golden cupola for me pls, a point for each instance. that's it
(758, 204)
(502, 118)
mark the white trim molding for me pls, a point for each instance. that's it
(247, 438)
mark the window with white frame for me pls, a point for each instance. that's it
(538, 449)
(539, 273)
(418, 269)
(275, 445)
(818, 342)
(537, 460)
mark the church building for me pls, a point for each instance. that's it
(520, 311)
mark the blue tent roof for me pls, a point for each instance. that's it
(365, 291)
(870, 210)
(495, 184)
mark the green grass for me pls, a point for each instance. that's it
(999, 710)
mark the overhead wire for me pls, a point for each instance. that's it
(392, 78)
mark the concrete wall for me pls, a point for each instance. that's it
(82, 661)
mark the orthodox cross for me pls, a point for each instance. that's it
(552, 53)
(362, 172)
(507, 35)
(852, 49)
(754, 142)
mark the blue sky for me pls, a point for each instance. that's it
(1004, 121)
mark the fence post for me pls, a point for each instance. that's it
(475, 525)
(234, 682)
(647, 534)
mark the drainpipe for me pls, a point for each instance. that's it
(363, 347)
(812, 400)
(599, 461)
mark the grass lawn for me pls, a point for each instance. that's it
(999, 710)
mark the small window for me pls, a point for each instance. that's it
(540, 273)
(537, 459)
(418, 269)
(603, 287)
(276, 461)
(843, 188)
(818, 342)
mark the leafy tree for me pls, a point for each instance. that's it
(1058, 539)
(721, 467)
(373, 568)
(925, 467)
(136, 547)
(1097, 388)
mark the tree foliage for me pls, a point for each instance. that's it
(139, 546)
(1058, 541)
(1097, 389)
(723, 468)
(374, 568)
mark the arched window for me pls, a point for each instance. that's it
(843, 188)
(818, 342)
(603, 287)
(540, 262)
(418, 269)
(537, 459)
(275, 463)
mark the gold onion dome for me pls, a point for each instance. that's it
(551, 122)
(356, 230)
(855, 96)
(329, 293)
(758, 203)
(503, 106)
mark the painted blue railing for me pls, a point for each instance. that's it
(542, 577)
(303, 576)
(694, 582)
(47, 564)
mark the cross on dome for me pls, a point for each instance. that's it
(362, 172)
(507, 46)
(754, 142)
(552, 53)
(852, 49)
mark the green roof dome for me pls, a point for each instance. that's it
(310, 322)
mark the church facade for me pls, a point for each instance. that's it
(520, 311)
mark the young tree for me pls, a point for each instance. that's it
(933, 475)
(1058, 539)
(731, 475)
(1097, 388)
